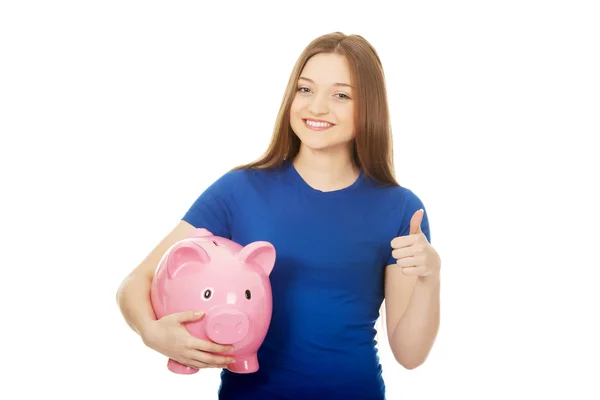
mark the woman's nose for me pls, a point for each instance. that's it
(318, 105)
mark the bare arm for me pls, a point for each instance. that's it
(133, 295)
(413, 314)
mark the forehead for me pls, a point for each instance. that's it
(327, 69)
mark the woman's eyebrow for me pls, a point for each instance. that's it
(335, 84)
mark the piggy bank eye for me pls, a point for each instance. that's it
(248, 294)
(207, 294)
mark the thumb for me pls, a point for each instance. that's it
(415, 222)
(187, 316)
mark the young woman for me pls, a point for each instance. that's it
(347, 236)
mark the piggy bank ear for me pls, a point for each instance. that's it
(259, 253)
(200, 233)
(185, 257)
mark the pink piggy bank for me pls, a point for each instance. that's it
(226, 281)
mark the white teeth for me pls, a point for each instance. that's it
(317, 124)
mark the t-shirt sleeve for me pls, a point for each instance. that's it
(411, 203)
(212, 209)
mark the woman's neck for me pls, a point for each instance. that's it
(326, 170)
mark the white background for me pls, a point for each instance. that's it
(115, 115)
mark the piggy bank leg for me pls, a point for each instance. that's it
(244, 365)
(179, 368)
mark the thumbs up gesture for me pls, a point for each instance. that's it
(414, 254)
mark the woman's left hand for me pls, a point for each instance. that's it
(414, 254)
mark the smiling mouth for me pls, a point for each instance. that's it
(317, 125)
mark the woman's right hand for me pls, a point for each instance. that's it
(171, 338)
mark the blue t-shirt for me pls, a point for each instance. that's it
(328, 281)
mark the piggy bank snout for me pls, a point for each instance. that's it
(227, 326)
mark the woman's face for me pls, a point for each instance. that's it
(322, 112)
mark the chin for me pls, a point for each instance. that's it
(313, 143)
(321, 143)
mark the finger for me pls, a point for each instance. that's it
(188, 362)
(415, 222)
(404, 241)
(408, 262)
(405, 252)
(208, 346)
(196, 364)
(200, 365)
(187, 316)
(210, 359)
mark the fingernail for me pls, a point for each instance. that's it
(198, 313)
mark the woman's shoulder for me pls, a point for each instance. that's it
(396, 197)
(395, 192)
(402, 193)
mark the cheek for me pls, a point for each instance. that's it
(345, 118)
(346, 114)
(296, 107)
(296, 113)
